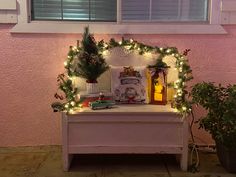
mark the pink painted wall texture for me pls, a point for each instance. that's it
(29, 64)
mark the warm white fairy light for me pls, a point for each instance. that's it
(72, 103)
(71, 111)
(120, 42)
(179, 91)
(67, 105)
(105, 45)
(168, 51)
(74, 48)
(131, 40)
(65, 63)
(161, 49)
(128, 47)
(147, 54)
(184, 108)
(104, 52)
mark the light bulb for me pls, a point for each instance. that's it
(120, 42)
(131, 40)
(71, 111)
(74, 48)
(184, 108)
(65, 63)
(168, 51)
(105, 45)
(104, 52)
(72, 103)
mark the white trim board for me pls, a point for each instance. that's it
(50, 27)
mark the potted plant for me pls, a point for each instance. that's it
(220, 121)
(91, 63)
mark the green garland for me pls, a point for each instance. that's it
(182, 105)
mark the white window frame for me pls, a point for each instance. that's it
(24, 24)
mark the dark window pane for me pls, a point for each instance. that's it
(135, 9)
(81, 10)
(47, 9)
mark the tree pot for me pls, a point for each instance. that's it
(227, 157)
(92, 88)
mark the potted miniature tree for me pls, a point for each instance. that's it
(91, 63)
(220, 121)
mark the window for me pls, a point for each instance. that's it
(165, 10)
(131, 10)
(81, 10)
(43, 16)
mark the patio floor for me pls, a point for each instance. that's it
(45, 161)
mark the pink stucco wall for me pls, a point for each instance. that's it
(29, 64)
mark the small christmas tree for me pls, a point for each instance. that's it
(91, 63)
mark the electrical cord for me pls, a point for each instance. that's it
(194, 165)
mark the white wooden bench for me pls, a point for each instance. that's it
(125, 129)
(140, 129)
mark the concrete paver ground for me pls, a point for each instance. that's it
(45, 161)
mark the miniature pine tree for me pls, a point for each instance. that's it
(91, 63)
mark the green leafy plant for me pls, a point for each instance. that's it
(220, 102)
(91, 63)
(69, 92)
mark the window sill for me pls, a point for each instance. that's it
(114, 28)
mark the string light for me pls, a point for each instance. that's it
(168, 51)
(67, 105)
(105, 52)
(180, 69)
(71, 111)
(74, 48)
(131, 40)
(65, 63)
(105, 45)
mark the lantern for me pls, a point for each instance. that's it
(158, 86)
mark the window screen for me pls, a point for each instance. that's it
(81, 10)
(165, 10)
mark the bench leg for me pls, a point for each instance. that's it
(67, 158)
(184, 161)
(184, 155)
